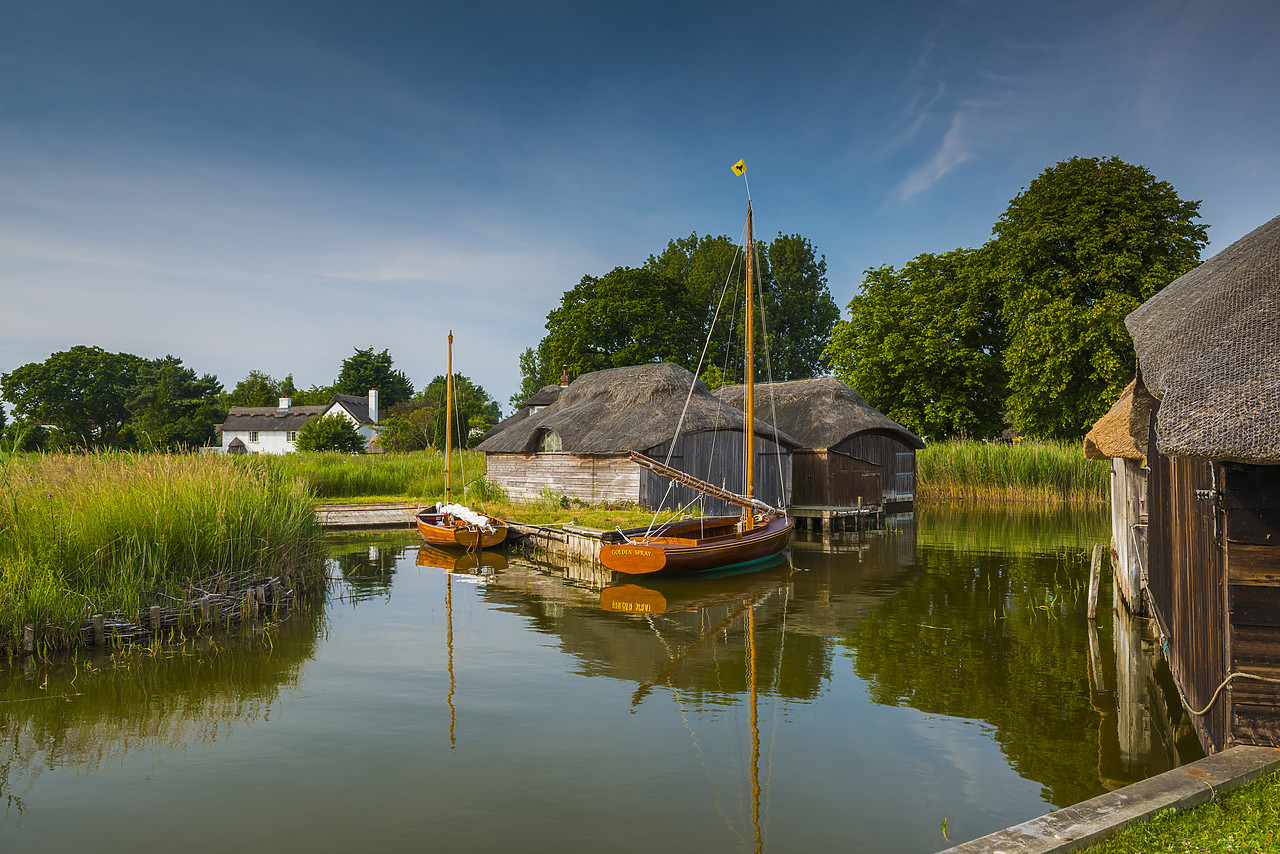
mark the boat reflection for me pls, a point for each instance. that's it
(463, 562)
(660, 596)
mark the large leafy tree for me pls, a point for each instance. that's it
(330, 433)
(171, 408)
(259, 388)
(628, 316)
(366, 369)
(82, 391)
(924, 344)
(474, 411)
(799, 311)
(1085, 244)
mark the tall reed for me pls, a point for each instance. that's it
(417, 476)
(114, 533)
(1029, 471)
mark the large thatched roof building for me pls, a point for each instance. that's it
(849, 450)
(1208, 397)
(578, 445)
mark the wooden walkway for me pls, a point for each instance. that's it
(346, 517)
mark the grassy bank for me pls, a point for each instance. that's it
(116, 533)
(1027, 472)
(1245, 820)
(414, 477)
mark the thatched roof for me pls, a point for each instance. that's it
(1208, 349)
(266, 418)
(545, 396)
(1110, 436)
(820, 413)
(609, 413)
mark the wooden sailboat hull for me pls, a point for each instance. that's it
(439, 530)
(699, 546)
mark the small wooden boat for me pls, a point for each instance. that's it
(448, 524)
(698, 545)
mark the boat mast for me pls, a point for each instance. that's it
(750, 369)
(448, 424)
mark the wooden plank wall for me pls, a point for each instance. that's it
(1187, 584)
(716, 457)
(592, 479)
(829, 479)
(895, 461)
(1251, 505)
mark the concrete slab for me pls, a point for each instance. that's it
(1092, 821)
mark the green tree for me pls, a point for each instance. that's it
(1085, 244)
(330, 433)
(366, 369)
(171, 408)
(82, 391)
(400, 433)
(474, 411)
(924, 345)
(628, 316)
(256, 389)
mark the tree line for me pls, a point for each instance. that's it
(89, 398)
(1025, 333)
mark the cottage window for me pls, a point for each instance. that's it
(293, 435)
(253, 435)
(551, 443)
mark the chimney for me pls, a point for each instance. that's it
(285, 403)
(373, 405)
(564, 377)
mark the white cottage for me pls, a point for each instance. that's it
(274, 430)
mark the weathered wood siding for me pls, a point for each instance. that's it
(717, 458)
(592, 479)
(894, 460)
(1128, 509)
(1186, 580)
(833, 479)
(1251, 506)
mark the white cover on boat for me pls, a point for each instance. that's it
(466, 514)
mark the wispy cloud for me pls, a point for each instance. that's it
(956, 148)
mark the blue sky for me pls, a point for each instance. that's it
(270, 185)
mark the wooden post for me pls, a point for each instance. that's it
(1095, 570)
(28, 638)
(154, 617)
(99, 631)
(204, 609)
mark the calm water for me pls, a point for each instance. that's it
(852, 699)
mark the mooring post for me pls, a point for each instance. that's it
(1095, 567)
(99, 631)
(204, 609)
(153, 618)
(28, 638)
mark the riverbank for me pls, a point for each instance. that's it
(118, 534)
(1027, 472)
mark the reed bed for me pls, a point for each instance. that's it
(114, 534)
(417, 476)
(1026, 472)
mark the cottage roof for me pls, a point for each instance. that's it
(357, 406)
(609, 413)
(545, 396)
(820, 413)
(1208, 349)
(264, 418)
(1110, 436)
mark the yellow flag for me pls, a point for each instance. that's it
(740, 167)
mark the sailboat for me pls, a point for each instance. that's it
(449, 524)
(699, 545)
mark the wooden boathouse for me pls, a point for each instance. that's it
(577, 446)
(1110, 439)
(851, 456)
(1207, 398)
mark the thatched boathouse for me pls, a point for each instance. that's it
(850, 452)
(1110, 439)
(1208, 396)
(541, 399)
(578, 445)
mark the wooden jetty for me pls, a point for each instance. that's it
(346, 517)
(830, 518)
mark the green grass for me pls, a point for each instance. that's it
(1028, 472)
(1244, 820)
(413, 477)
(116, 533)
